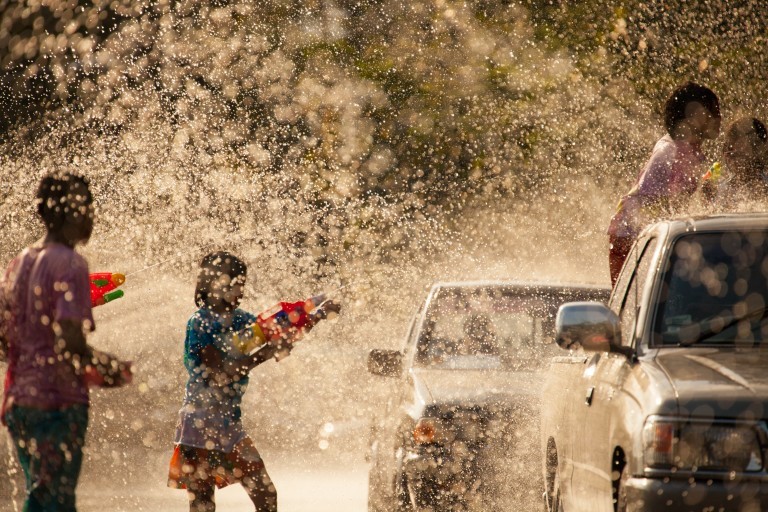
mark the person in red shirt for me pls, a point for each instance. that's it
(672, 173)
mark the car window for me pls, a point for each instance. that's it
(714, 290)
(629, 308)
(489, 327)
(619, 293)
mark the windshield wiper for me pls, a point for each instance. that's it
(714, 329)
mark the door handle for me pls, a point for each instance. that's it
(590, 394)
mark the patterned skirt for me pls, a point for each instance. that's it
(191, 466)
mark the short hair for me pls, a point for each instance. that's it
(214, 265)
(690, 92)
(55, 197)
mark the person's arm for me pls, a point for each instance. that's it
(283, 349)
(70, 339)
(220, 370)
(321, 313)
(3, 348)
(5, 314)
(261, 355)
(72, 345)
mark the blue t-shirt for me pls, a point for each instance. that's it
(210, 417)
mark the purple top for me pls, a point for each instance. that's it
(42, 286)
(673, 172)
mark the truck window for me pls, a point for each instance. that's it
(714, 290)
(631, 303)
(619, 293)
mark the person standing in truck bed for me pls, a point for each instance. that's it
(672, 173)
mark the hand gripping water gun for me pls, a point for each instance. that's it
(104, 371)
(104, 287)
(280, 325)
(711, 180)
(714, 173)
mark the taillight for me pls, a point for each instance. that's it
(703, 445)
(659, 438)
(425, 431)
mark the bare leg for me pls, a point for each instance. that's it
(201, 498)
(262, 491)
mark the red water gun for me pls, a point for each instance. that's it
(105, 371)
(282, 324)
(104, 287)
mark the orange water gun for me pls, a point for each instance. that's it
(280, 325)
(104, 287)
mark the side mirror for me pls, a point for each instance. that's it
(387, 363)
(590, 325)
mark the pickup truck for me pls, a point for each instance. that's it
(661, 401)
(463, 411)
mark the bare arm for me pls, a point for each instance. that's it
(70, 340)
(3, 348)
(220, 370)
(71, 344)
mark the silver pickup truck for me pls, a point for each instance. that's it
(661, 401)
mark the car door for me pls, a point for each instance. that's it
(385, 437)
(561, 396)
(603, 379)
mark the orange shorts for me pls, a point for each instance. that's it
(191, 466)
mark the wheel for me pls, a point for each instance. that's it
(552, 501)
(557, 503)
(621, 493)
(402, 496)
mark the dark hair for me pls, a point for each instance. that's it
(214, 265)
(55, 199)
(759, 128)
(754, 132)
(690, 92)
(748, 127)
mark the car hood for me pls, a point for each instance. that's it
(720, 381)
(475, 386)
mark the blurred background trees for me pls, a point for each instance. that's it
(347, 118)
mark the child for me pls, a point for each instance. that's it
(45, 307)
(212, 449)
(671, 175)
(743, 175)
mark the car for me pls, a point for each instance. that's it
(661, 401)
(465, 408)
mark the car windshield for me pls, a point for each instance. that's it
(715, 290)
(492, 326)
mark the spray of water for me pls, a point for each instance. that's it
(378, 145)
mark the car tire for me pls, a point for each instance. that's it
(621, 494)
(552, 500)
(557, 502)
(402, 496)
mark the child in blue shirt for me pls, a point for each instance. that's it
(212, 448)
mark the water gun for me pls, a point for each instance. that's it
(104, 287)
(280, 325)
(710, 181)
(714, 173)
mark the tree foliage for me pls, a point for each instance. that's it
(356, 114)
